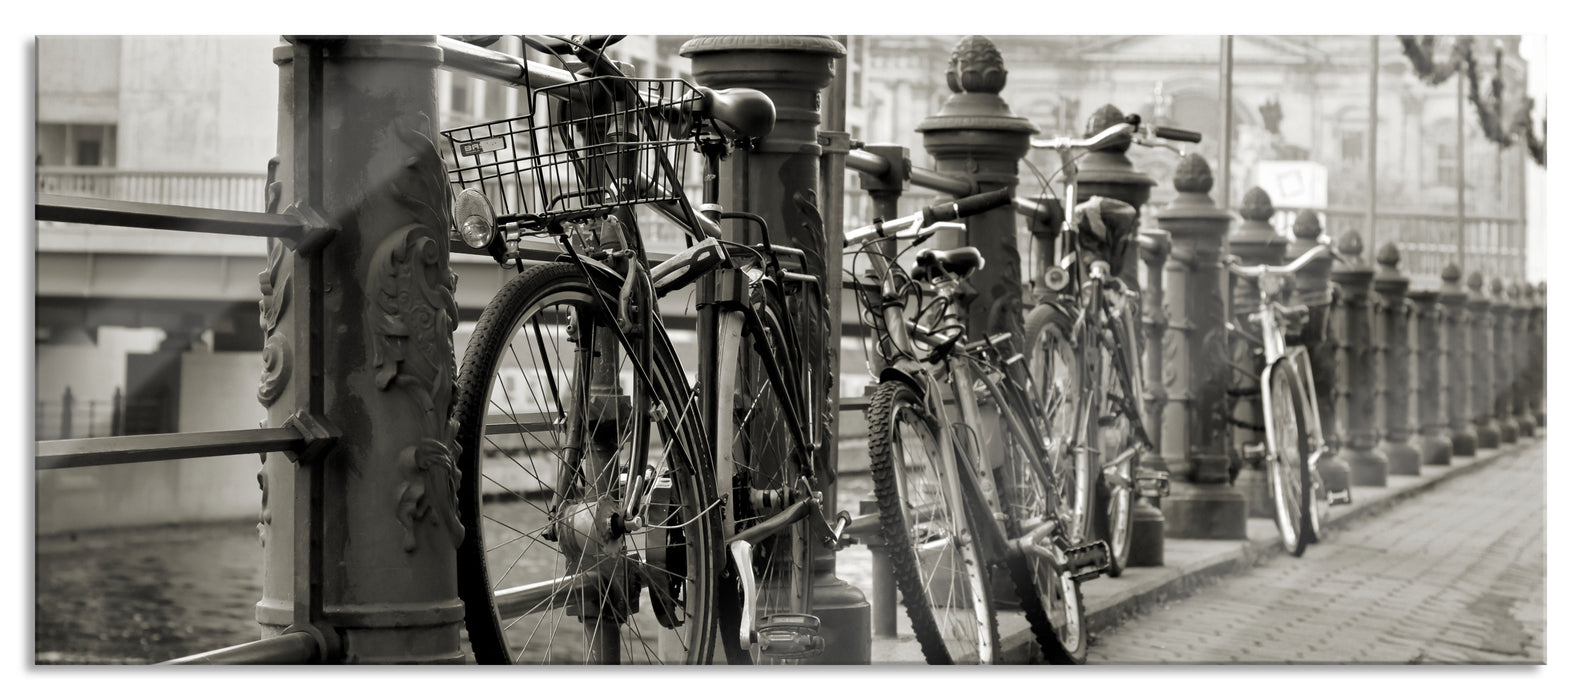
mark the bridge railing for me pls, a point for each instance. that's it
(1427, 239)
(218, 190)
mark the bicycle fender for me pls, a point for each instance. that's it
(904, 377)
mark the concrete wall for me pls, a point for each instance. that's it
(217, 393)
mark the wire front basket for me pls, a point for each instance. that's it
(583, 149)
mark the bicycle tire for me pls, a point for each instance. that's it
(959, 601)
(1290, 479)
(1058, 390)
(1113, 503)
(1051, 601)
(763, 465)
(672, 554)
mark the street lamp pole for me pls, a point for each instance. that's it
(1227, 106)
(1373, 145)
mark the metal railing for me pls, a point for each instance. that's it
(233, 191)
(1427, 240)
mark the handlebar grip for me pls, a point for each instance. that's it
(969, 206)
(1174, 134)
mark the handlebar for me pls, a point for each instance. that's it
(1132, 126)
(921, 223)
(967, 206)
(1233, 264)
(1173, 134)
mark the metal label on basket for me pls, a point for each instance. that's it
(488, 145)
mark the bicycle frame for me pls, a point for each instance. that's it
(968, 472)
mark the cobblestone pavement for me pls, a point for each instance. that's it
(1453, 576)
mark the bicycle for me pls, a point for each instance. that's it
(1084, 336)
(1293, 439)
(962, 487)
(629, 478)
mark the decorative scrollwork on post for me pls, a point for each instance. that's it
(412, 315)
(275, 284)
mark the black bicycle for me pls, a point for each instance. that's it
(616, 510)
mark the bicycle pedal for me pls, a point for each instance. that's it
(1340, 498)
(789, 636)
(1086, 562)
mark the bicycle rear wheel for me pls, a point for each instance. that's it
(1290, 479)
(757, 453)
(560, 428)
(931, 543)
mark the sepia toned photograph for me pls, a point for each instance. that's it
(789, 350)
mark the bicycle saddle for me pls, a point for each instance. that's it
(744, 112)
(961, 262)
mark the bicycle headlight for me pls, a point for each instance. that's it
(474, 218)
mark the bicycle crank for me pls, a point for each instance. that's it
(1083, 562)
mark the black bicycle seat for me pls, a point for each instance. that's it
(745, 112)
(961, 262)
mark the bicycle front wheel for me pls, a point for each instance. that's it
(1066, 418)
(759, 465)
(1112, 501)
(931, 543)
(1287, 461)
(582, 494)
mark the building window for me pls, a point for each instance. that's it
(461, 96)
(1445, 165)
(1352, 146)
(86, 145)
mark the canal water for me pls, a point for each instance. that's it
(147, 595)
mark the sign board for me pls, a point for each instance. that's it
(1294, 183)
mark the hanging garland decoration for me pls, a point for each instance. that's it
(1420, 53)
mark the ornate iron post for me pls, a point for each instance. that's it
(1313, 289)
(886, 194)
(1256, 243)
(1109, 173)
(784, 174)
(1500, 359)
(1148, 521)
(1521, 353)
(1354, 342)
(360, 540)
(1480, 342)
(1194, 441)
(976, 136)
(1395, 343)
(1540, 397)
(1433, 439)
(1458, 359)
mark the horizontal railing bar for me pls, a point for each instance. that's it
(870, 164)
(940, 182)
(111, 172)
(494, 65)
(169, 217)
(867, 163)
(288, 648)
(503, 424)
(1401, 214)
(87, 452)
